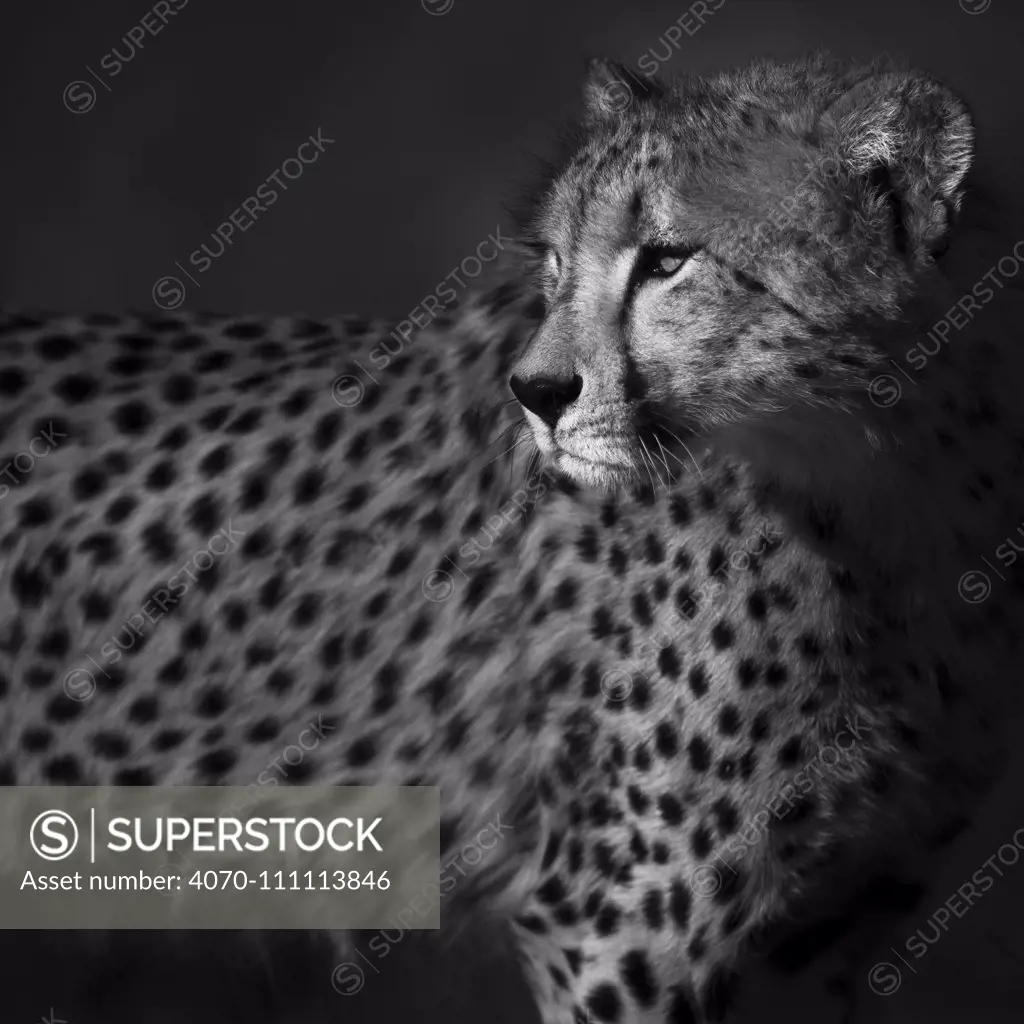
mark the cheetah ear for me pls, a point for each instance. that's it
(611, 89)
(914, 141)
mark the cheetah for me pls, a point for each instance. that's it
(615, 552)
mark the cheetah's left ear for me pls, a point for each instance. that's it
(611, 89)
(914, 139)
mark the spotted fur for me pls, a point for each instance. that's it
(629, 673)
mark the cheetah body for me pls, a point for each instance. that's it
(641, 683)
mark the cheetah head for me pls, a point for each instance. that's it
(726, 262)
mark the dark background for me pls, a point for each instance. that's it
(437, 119)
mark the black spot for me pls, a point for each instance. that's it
(36, 739)
(698, 680)
(782, 597)
(326, 431)
(179, 389)
(533, 923)
(194, 636)
(12, 381)
(216, 460)
(246, 422)
(254, 491)
(729, 721)
(63, 771)
(55, 643)
(362, 752)
(757, 606)
(117, 462)
(270, 351)
(668, 662)
(699, 753)
(96, 607)
(263, 731)
(173, 672)
(564, 595)
(132, 418)
(57, 347)
(726, 816)
(640, 697)
(204, 514)
(760, 727)
(297, 402)
(358, 497)
(259, 653)
(175, 439)
(161, 476)
(701, 842)
(686, 601)
(236, 615)
(308, 486)
(790, 751)
(28, 586)
(680, 511)
(641, 610)
(716, 562)
(679, 903)
(671, 809)
(215, 418)
(618, 561)
(34, 512)
(639, 978)
(552, 891)
(218, 359)
(168, 739)
(76, 388)
(280, 681)
(722, 635)
(307, 610)
(158, 541)
(110, 746)
(666, 740)
(587, 544)
(639, 802)
(480, 584)
(653, 909)
(747, 672)
(681, 1008)
(607, 919)
(215, 764)
(144, 710)
(272, 592)
(808, 646)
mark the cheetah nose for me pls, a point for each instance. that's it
(546, 397)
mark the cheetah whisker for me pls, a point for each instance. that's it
(668, 472)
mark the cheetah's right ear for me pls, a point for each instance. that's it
(914, 139)
(611, 89)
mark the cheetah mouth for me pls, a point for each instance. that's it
(591, 472)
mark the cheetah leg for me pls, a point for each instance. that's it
(549, 971)
(582, 975)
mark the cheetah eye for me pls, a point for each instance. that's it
(662, 261)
